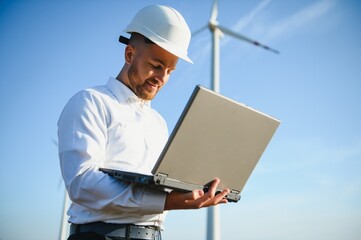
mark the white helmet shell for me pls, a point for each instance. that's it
(165, 27)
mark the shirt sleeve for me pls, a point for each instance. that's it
(82, 134)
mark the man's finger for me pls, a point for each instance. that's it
(213, 188)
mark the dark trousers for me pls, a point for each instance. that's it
(87, 236)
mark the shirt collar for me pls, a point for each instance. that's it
(123, 93)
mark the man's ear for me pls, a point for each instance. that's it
(129, 54)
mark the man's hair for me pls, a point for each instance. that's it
(137, 36)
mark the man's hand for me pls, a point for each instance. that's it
(196, 199)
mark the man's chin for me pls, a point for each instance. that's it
(146, 95)
(151, 96)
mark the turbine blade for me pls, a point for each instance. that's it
(214, 12)
(54, 142)
(199, 30)
(244, 38)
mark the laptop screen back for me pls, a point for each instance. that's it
(216, 137)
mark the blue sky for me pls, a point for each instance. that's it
(307, 184)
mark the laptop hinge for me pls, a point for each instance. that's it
(235, 191)
(160, 178)
(234, 196)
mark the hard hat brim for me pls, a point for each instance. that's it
(125, 41)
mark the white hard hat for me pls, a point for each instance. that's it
(164, 26)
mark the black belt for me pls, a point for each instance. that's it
(127, 231)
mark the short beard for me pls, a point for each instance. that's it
(139, 89)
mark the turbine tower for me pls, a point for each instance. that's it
(64, 225)
(213, 227)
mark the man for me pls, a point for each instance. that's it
(113, 126)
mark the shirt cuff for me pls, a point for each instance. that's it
(154, 201)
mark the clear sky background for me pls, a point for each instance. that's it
(307, 184)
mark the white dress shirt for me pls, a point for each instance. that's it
(109, 126)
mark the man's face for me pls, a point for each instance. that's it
(149, 69)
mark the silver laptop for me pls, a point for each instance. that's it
(214, 137)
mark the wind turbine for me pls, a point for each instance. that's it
(213, 227)
(218, 31)
(64, 225)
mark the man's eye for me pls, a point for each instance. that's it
(156, 67)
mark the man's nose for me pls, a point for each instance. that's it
(162, 76)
